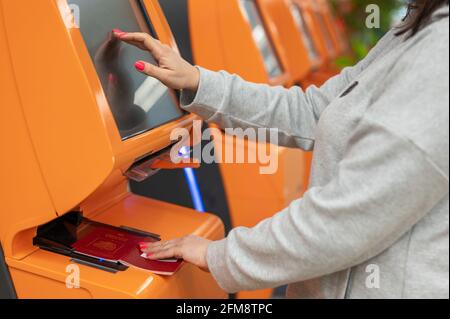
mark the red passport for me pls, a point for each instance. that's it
(116, 245)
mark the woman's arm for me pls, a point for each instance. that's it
(231, 102)
(384, 186)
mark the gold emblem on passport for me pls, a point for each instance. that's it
(105, 245)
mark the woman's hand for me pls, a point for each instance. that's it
(172, 69)
(192, 249)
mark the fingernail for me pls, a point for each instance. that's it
(140, 66)
(119, 32)
(111, 78)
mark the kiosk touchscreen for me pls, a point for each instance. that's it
(139, 103)
(85, 121)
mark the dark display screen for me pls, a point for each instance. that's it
(261, 38)
(139, 103)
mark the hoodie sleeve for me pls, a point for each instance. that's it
(384, 186)
(231, 102)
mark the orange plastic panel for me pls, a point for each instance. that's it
(309, 11)
(64, 152)
(222, 39)
(43, 274)
(320, 20)
(23, 193)
(208, 49)
(75, 137)
(332, 26)
(287, 39)
(70, 141)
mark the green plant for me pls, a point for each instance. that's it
(354, 14)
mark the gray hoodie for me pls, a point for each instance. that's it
(374, 222)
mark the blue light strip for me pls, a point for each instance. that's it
(195, 190)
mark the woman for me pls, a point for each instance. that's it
(374, 222)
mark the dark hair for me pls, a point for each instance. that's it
(419, 14)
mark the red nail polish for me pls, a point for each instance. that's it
(140, 66)
(119, 32)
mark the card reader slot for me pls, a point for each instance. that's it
(90, 261)
(141, 232)
(59, 235)
(147, 166)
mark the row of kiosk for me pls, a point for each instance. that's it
(78, 124)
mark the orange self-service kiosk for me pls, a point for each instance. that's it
(336, 33)
(300, 29)
(76, 122)
(310, 17)
(319, 17)
(296, 53)
(233, 35)
(237, 40)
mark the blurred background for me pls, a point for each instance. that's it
(352, 14)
